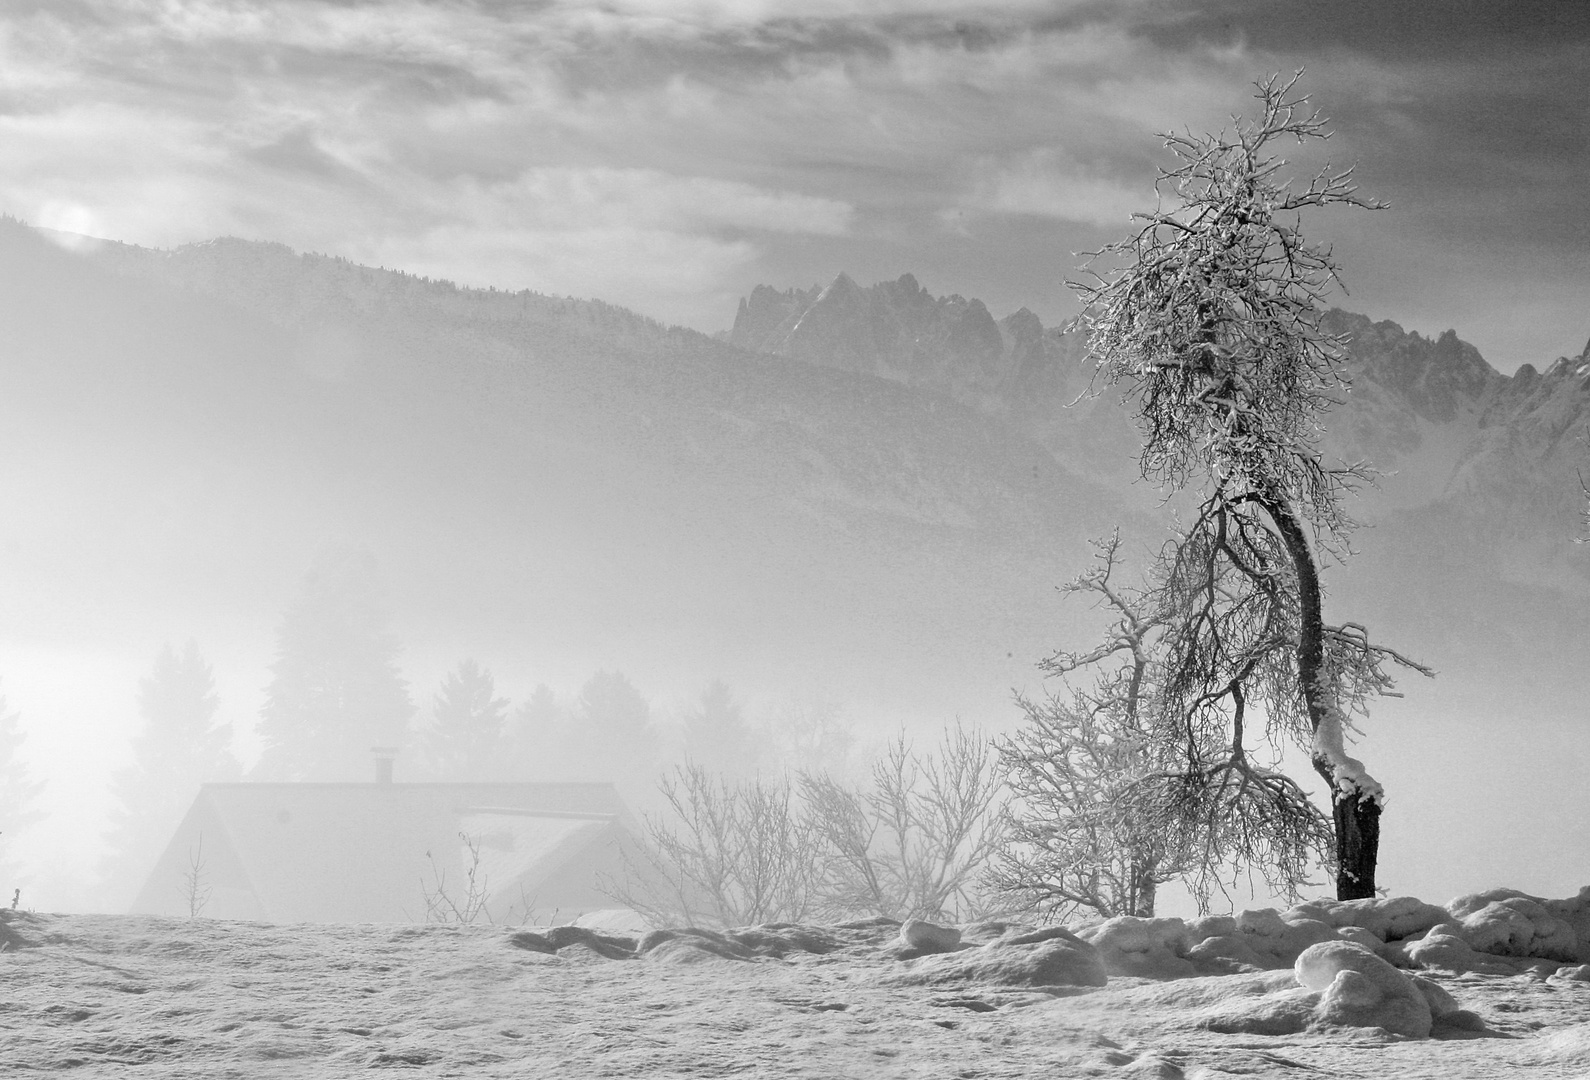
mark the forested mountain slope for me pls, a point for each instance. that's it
(540, 476)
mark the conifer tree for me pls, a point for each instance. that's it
(467, 737)
(613, 729)
(335, 690)
(717, 737)
(538, 737)
(179, 747)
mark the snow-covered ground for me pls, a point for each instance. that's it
(131, 995)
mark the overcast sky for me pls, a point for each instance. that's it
(668, 155)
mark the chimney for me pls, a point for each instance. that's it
(383, 762)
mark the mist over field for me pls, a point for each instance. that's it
(569, 392)
(852, 510)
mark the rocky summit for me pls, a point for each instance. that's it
(1431, 414)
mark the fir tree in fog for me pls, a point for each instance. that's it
(815, 736)
(179, 747)
(614, 733)
(466, 740)
(17, 792)
(335, 691)
(537, 735)
(716, 735)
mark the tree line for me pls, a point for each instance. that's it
(336, 692)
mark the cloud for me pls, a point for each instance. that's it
(676, 277)
(1043, 184)
(777, 136)
(650, 199)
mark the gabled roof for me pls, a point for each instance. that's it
(375, 852)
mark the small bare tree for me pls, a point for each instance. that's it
(196, 881)
(917, 842)
(1209, 314)
(441, 906)
(727, 854)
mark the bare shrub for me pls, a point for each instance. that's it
(1077, 840)
(916, 842)
(196, 881)
(441, 906)
(726, 854)
(1077, 835)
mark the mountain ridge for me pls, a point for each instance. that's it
(1406, 390)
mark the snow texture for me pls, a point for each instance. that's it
(201, 998)
(1146, 948)
(1052, 956)
(924, 937)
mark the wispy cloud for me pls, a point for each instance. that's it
(723, 142)
(1043, 183)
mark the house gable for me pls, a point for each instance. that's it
(373, 852)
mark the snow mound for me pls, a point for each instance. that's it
(1285, 1012)
(769, 940)
(686, 944)
(1053, 956)
(1256, 940)
(559, 938)
(692, 946)
(1505, 922)
(1150, 1067)
(1143, 948)
(1389, 919)
(1568, 1047)
(920, 937)
(778, 940)
(1258, 1003)
(1359, 989)
(1445, 948)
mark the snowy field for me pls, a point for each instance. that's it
(128, 995)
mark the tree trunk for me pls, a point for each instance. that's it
(1357, 819)
(1357, 841)
(1146, 889)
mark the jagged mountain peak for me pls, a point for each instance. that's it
(1435, 379)
(895, 330)
(1429, 411)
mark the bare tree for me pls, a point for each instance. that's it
(916, 842)
(1078, 836)
(912, 843)
(727, 854)
(441, 906)
(196, 881)
(1210, 315)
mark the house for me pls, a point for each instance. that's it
(389, 852)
